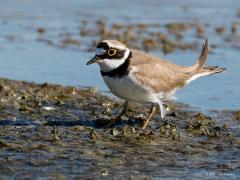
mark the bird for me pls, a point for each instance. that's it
(134, 75)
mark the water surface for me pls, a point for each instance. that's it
(22, 57)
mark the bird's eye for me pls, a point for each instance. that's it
(112, 52)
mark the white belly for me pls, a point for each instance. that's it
(126, 88)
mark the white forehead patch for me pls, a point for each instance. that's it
(116, 45)
(100, 51)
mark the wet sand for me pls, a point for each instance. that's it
(56, 132)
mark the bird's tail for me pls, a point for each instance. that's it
(212, 69)
(198, 70)
(201, 60)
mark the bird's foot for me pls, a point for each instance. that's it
(112, 122)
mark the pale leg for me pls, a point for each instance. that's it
(152, 112)
(114, 120)
(162, 109)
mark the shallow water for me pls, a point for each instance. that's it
(23, 57)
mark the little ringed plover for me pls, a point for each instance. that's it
(134, 75)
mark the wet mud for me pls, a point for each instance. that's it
(57, 132)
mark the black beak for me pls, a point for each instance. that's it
(93, 60)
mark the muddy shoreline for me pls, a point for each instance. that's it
(56, 132)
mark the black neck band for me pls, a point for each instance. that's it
(121, 71)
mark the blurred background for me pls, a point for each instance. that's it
(51, 41)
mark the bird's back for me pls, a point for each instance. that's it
(157, 74)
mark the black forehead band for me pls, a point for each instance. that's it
(103, 45)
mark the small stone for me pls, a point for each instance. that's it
(220, 30)
(115, 132)
(41, 30)
(93, 134)
(234, 28)
(105, 173)
(48, 108)
(168, 126)
(237, 115)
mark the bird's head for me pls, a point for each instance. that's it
(110, 54)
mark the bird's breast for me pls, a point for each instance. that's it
(127, 88)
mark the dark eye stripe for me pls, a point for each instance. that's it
(119, 54)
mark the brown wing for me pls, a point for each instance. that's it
(159, 75)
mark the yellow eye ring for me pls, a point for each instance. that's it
(112, 52)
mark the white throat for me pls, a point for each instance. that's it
(107, 65)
